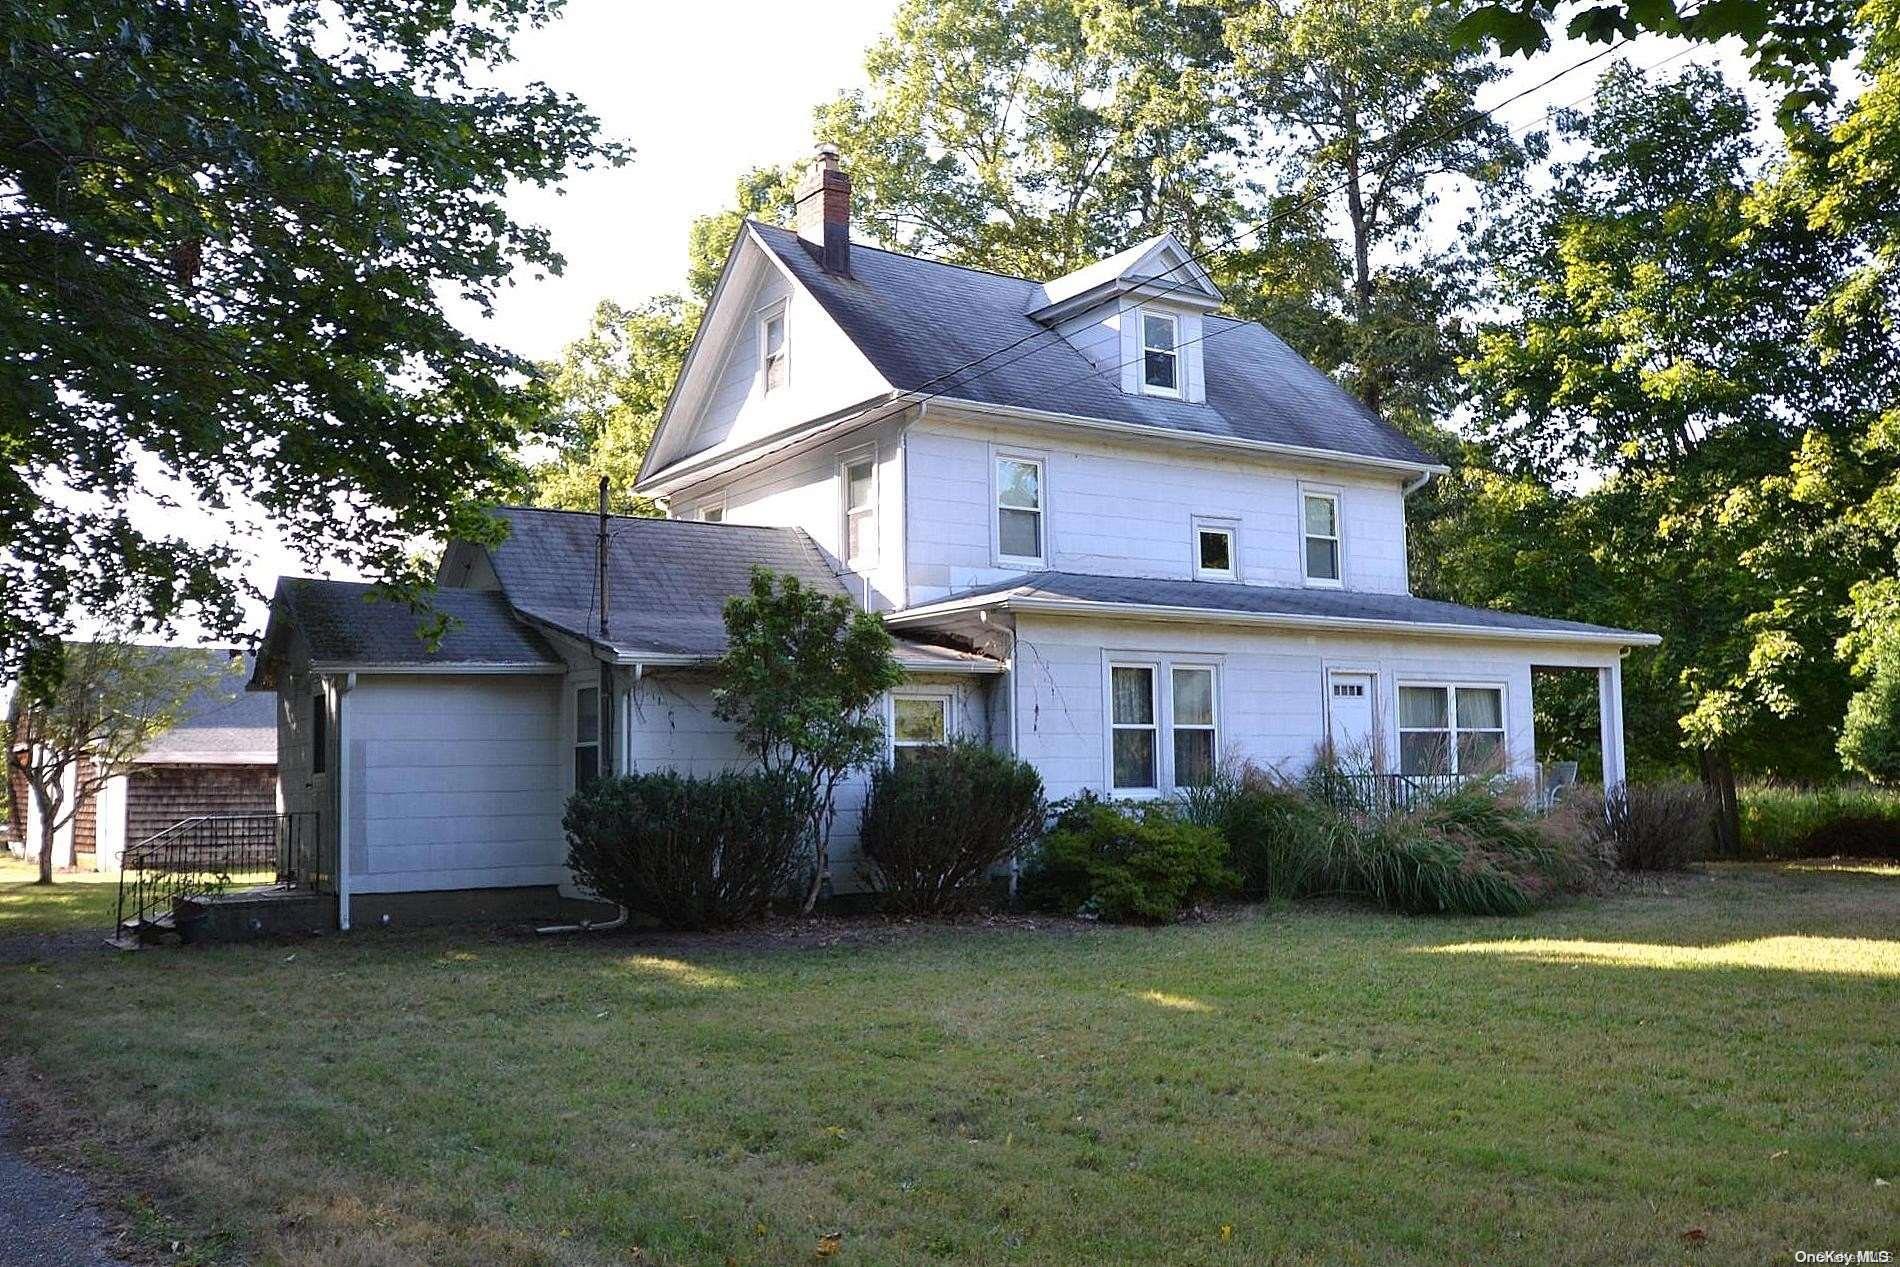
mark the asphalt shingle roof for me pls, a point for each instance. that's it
(1270, 601)
(917, 320)
(345, 627)
(221, 722)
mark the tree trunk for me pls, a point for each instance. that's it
(1718, 778)
(46, 846)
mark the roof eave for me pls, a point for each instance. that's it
(1017, 602)
(1186, 439)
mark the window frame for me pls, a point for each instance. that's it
(945, 697)
(1040, 461)
(1142, 317)
(859, 457)
(594, 743)
(1230, 528)
(1453, 730)
(1211, 726)
(1153, 726)
(1310, 492)
(713, 511)
(320, 732)
(767, 315)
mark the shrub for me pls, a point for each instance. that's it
(691, 853)
(1134, 864)
(938, 822)
(1657, 826)
(1281, 842)
(1851, 821)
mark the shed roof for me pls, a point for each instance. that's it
(346, 627)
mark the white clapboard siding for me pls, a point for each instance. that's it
(1124, 509)
(1272, 687)
(456, 782)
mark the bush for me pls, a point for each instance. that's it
(691, 853)
(1852, 821)
(1476, 851)
(937, 823)
(1134, 864)
(1281, 842)
(1657, 826)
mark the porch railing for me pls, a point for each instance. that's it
(1380, 796)
(211, 854)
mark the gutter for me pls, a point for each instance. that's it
(1283, 620)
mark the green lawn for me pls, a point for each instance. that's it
(77, 900)
(1587, 1085)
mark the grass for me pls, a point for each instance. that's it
(1791, 822)
(77, 900)
(1701, 1071)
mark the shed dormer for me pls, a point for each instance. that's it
(1138, 314)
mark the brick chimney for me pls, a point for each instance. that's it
(824, 211)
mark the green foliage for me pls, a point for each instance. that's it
(800, 678)
(1126, 864)
(1870, 739)
(230, 232)
(1281, 842)
(1849, 821)
(692, 853)
(108, 702)
(940, 820)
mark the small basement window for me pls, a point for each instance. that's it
(1160, 354)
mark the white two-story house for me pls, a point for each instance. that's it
(1114, 532)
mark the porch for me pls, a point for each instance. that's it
(225, 877)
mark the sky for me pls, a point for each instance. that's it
(703, 92)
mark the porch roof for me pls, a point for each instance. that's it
(1151, 598)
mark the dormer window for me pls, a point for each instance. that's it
(1160, 354)
(772, 349)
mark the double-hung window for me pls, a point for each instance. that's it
(1019, 511)
(588, 725)
(918, 723)
(772, 349)
(860, 512)
(1160, 354)
(1192, 722)
(1137, 719)
(1450, 729)
(1320, 524)
(1133, 725)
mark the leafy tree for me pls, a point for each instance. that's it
(1662, 345)
(228, 233)
(1036, 136)
(108, 706)
(801, 679)
(1364, 109)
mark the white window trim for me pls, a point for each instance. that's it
(946, 696)
(600, 695)
(766, 315)
(998, 455)
(1451, 704)
(857, 457)
(1333, 495)
(1180, 358)
(1213, 725)
(713, 510)
(1214, 523)
(1163, 667)
(1154, 668)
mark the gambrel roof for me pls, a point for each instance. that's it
(919, 321)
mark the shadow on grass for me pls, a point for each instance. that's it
(1840, 956)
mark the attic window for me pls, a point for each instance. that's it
(772, 349)
(1160, 354)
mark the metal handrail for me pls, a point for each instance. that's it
(1386, 795)
(206, 853)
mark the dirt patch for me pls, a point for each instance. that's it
(38, 947)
